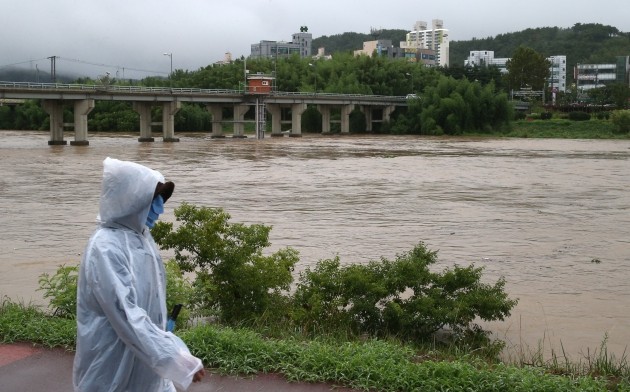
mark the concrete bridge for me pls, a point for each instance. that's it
(82, 97)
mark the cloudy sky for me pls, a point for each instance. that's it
(129, 37)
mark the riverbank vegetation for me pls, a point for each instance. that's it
(386, 325)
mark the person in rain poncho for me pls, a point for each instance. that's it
(121, 301)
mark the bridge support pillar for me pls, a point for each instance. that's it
(296, 119)
(325, 111)
(345, 118)
(144, 110)
(169, 109)
(81, 110)
(217, 116)
(276, 119)
(369, 116)
(387, 112)
(54, 108)
(239, 118)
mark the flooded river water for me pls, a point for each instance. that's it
(552, 216)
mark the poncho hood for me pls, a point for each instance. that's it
(126, 193)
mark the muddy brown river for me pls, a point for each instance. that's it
(552, 216)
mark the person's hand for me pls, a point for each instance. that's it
(199, 375)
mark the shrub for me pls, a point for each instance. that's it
(61, 289)
(579, 116)
(233, 278)
(401, 297)
(602, 115)
(178, 291)
(546, 115)
(621, 119)
(519, 115)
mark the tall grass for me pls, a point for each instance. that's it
(565, 129)
(28, 323)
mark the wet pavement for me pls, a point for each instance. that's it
(27, 368)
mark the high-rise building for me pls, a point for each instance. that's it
(430, 42)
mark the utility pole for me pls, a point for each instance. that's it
(53, 69)
(170, 77)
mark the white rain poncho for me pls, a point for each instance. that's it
(121, 308)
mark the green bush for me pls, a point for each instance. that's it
(61, 289)
(401, 297)
(579, 116)
(546, 115)
(621, 119)
(233, 279)
(602, 115)
(519, 115)
(178, 291)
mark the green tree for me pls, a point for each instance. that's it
(614, 94)
(527, 68)
(621, 119)
(452, 107)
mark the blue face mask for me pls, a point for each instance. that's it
(157, 208)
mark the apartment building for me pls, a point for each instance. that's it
(430, 45)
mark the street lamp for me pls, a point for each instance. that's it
(171, 74)
(408, 74)
(315, 71)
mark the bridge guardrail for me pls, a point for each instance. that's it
(176, 90)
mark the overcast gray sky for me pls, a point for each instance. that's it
(134, 34)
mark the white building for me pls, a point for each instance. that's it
(485, 58)
(589, 76)
(557, 71)
(423, 39)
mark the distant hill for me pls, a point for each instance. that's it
(13, 74)
(348, 42)
(582, 43)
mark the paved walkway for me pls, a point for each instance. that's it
(24, 368)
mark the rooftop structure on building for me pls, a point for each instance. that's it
(430, 46)
(590, 76)
(300, 44)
